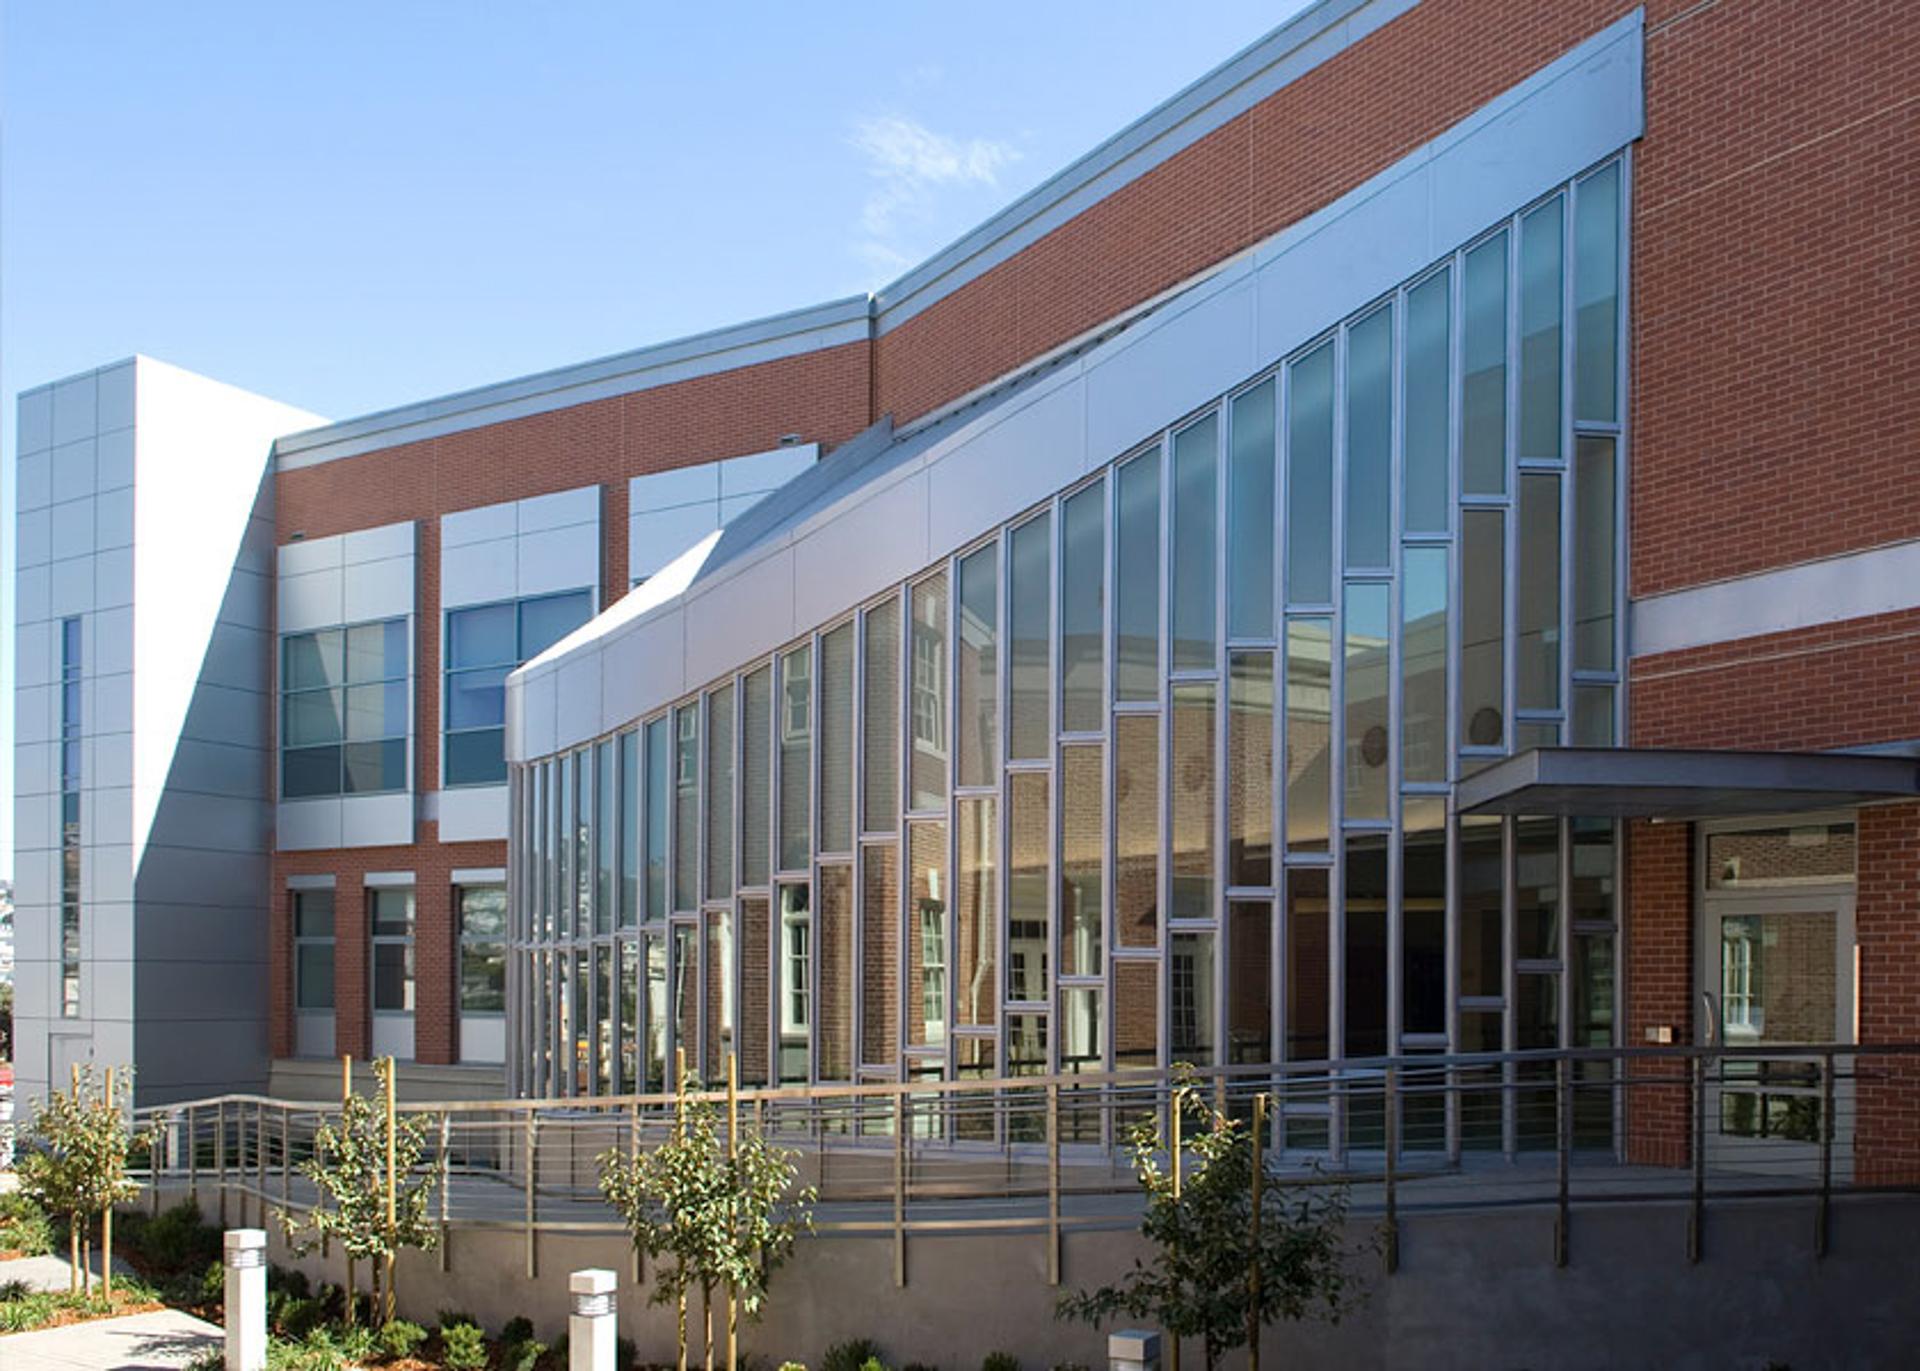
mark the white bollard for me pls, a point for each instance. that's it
(591, 1321)
(246, 1262)
(1132, 1349)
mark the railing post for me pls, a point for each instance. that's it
(220, 1155)
(1392, 1111)
(899, 1189)
(533, 1268)
(446, 1180)
(1253, 1264)
(286, 1157)
(193, 1158)
(1053, 1183)
(1822, 1215)
(1696, 1219)
(246, 1299)
(633, 1155)
(1563, 1145)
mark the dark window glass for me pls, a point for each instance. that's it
(1596, 295)
(1370, 440)
(1195, 474)
(1594, 539)
(1251, 531)
(1482, 946)
(375, 767)
(1483, 628)
(309, 771)
(545, 621)
(1309, 733)
(1483, 437)
(1536, 666)
(978, 713)
(1250, 982)
(477, 758)
(1423, 916)
(1250, 770)
(1366, 946)
(1190, 807)
(1540, 253)
(1368, 734)
(1083, 555)
(1429, 392)
(1309, 536)
(1423, 664)
(1029, 730)
(1137, 580)
(477, 699)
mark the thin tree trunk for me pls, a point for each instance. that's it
(86, 1259)
(706, 1311)
(682, 1316)
(392, 1290)
(73, 1254)
(350, 1276)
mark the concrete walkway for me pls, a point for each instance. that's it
(51, 1273)
(164, 1340)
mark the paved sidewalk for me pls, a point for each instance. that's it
(53, 1273)
(164, 1340)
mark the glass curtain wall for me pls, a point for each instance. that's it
(1159, 770)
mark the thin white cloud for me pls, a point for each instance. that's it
(910, 165)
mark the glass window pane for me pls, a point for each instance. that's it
(629, 1079)
(1083, 610)
(1764, 858)
(313, 660)
(756, 778)
(483, 978)
(1250, 982)
(1423, 918)
(881, 718)
(1251, 530)
(1536, 1022)
(1306, 963)
(1370, 440)
(1591, 896)
(659, 776)
(1309, 535)
(1082, 854)
(313, 716)
(1190, 1002)
(686, 808)
(481, 636)
(309, 771)
(483, 911)
(719, 806)
(1136, 1015)
(1030, 847)
(927, 703)
(1027, 1044)
(1136, 830)
(1029, 731)
(1368, 670)
(835, 931)
(629, 829)
(1540, 252)
(393, 978)
(720, 1007)
(1309, 733)
(796, 984)
(1594, 549)
(1190, 810)
(686, 992)
(390, 912)
(1429, 392)
(313, 974)
(796, 758)
(1483, 408)
(836, 739)
(476, 699)
(1137, 580)
(545, 621)
(1536, 666)
(977, 711)
(582, 858)
(977, 924)
(374, 767)
(1596, 294)
(1593, 716)
(477, 758)
(1195, 514)
(1250, 770)
(377, 711)
(1482, 944)
(926, 999)
(880, 946)
(367, 647)
(756, 990)
(313, 914)
(1483, 628)
(659, 1013)
(1366, 945)
(1423, 664)
(1082, 1046)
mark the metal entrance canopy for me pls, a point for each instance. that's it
(1664, 783)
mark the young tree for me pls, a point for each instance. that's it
(75, 1162)
(1210, 1276)
(720, 1221)
(356, 1207)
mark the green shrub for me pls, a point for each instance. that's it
(357, 1344)
(448, 1317)
(626, 1355)
(873, 1364)
(463, 1346)
(519, 1329)
(793, 1366)
(24, 1226)
(296, 1318)
(851, 1356)
(293, 1284)
(522, 1356)
(401, 1339)
(174, 1241)
(1000, 1361)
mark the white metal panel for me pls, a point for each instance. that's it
(112, 759)
(483, 1038)
(33, 649)
(879, 540)
(682, 486)
(733, 506)
(1002, 469)
(538, 705)
(35, 823)
(110, 923)
(577, 698)
(378, 544)
(558, 559)
(70, 587)
(112, 871)
(473, 813)
(376, 820)
(302, 825)
(561, 509)
(34, 769)
(69, 531)
(112, 703)
(32, 593)
(377, 590)
(313, 1034)
(476, 573)
(112, 578)
(1200, 349)
(751, 606)
(656, 536)
(393, 1036)
(111, 650)
(113, 518)
(314, 600)
(311, 554)
(759, 472)
(113, 815)
(478, 525)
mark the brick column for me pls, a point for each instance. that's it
(1658, 933)
(1887, 928)
(352, 971)
(280, 972)
(435, 1036)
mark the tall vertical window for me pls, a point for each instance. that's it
(796, 758)
(1309, 761)
(1310, 478)
(1370, 440)
(1190, 1006)
(606, 840)
(756, 778)
(629, 828)
(686, 808)
(343, 710)
(927, 933)
(1594, 540)
(1083, 610)
(1536, 666)
(1029, 730)
(1482, 628)
(719, 806)
(483, 948)
(390, 922)
(1192, 803)
(70, 734)
(1196, 461)
(1250, 513)
(659, 777)
(1596, 295)
(977, 913)
(1030, 849)
(1368, 731)
(927, 713)
(1083, 913)
(1429, 404)
(1483, 400)
(880, 718)
(1540, 273)
(1423, 664)
(484, 643)
(1137, 579)
(836, 739)
(1250, 769)
(313, 949)
(979, 648)
(1136, 830)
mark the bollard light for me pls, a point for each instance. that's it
(591, 1321)
(1133, 1349)
(246, 1264)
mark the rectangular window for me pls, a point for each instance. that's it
(1083, 610)
(659, 778)
(1307, 962)
(343, 710)
(1594, 539)
(1082, 855)
(1309, 733)
(1250, 981)
(927, 934)
(759, 991)
(1195, 517)
(1536, 918)
(1429, 403)
(686, 992)
(1030, 847)
(1136, 830)
(720, 982)
(979, 647)
(483, 644)
(719, 806)
(1250, 513)
(880, 944)
(1366, 662)
(1540, 307)
(834, 1009)
(1310, 478)
(1483, 628)
(1483, 345)
(1250, 770)
(1136, 1015)
(880, 714)
(1596, 295)
(483, 949)
(1190, 1003)
(1366, 946)
(71, 733)
(390, 921)
(1137, 579)
(1370, 440)
(629, 827)
(756, 779)
(313, 949)
(583, 842)
(629, 1081)
(1029, 727)
(927, 713)
(796, 758)
(977, 913)
(1423, 664)
(1482, 941)
(606, 839)
(1536, 648)
(1190, 805)
(1423, 917)
(836, 739)
(1593, 716)
(686, 808)
(659, 1014)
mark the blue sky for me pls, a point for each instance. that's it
(352, 206)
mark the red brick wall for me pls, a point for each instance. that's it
(1887, 927)
(1658, 940)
